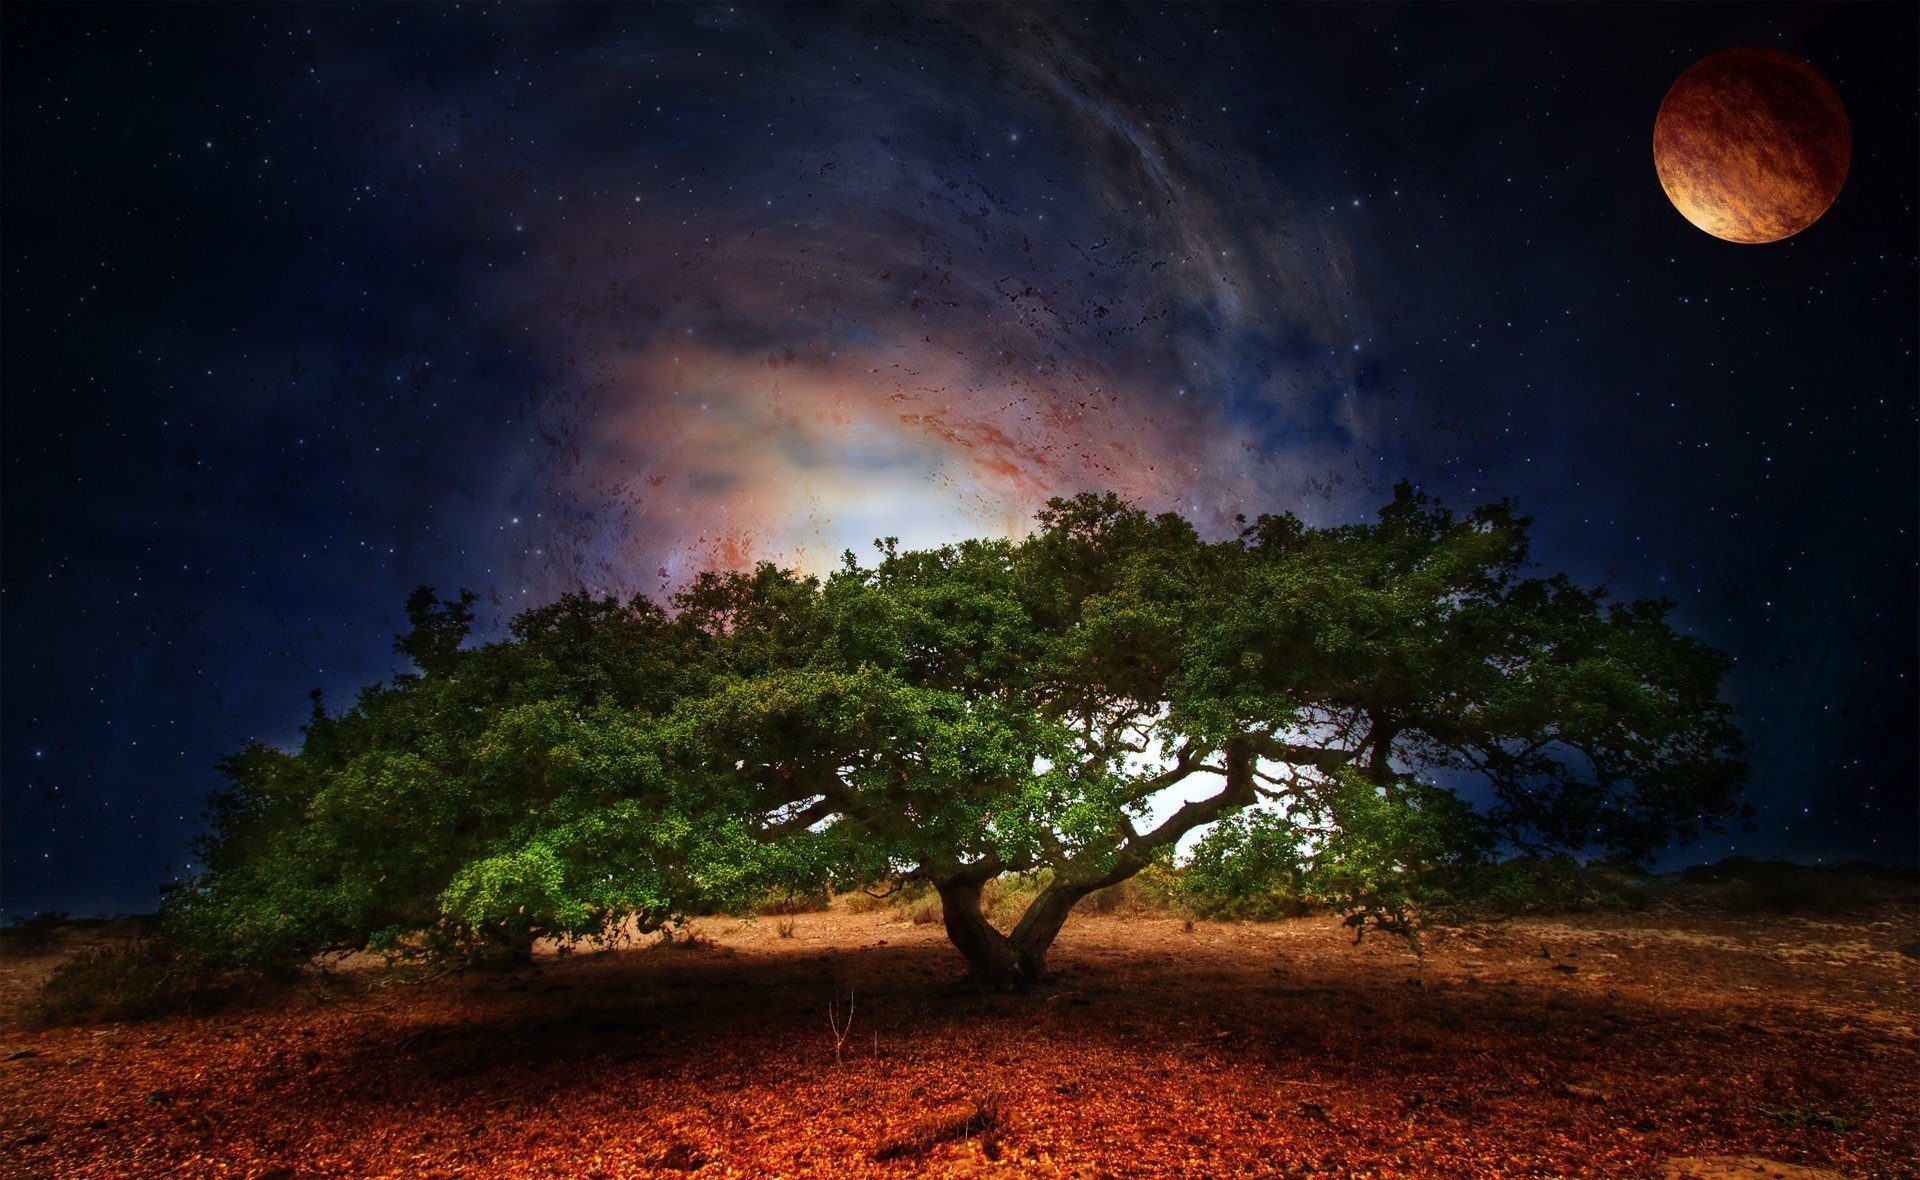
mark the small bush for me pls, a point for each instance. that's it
(1248, 868)
(1210, 887)
(135, 982)
(917, 902)
(1124, 898)
(914, 901)
(1559, 885)
(811, 901)
(1744, 885)
(862, 902)
(32, 934)
(1727, 869)
(1271, 905)
(1005, 898)
(884, 895)
(1152, 892)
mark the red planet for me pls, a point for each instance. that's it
(1752, 144)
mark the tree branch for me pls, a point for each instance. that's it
(1184, 763)
(1328, 759)
(801, 820)
(1238, 792)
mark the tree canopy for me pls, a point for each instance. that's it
(1381, 707)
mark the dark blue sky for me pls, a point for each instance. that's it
(303, 307)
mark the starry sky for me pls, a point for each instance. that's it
(305, 306)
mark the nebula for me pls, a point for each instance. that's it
(923, 313)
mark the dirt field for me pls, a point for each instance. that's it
(1620, 1046)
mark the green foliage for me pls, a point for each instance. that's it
(789, 900)
(1249, 867)
(1397, 849)
(991, 709)
(1006, 898)
(138, 981)
(1381, 852)
(1559, 885)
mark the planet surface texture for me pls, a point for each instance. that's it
(1752, 144)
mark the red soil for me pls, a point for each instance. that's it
(1589, 1046)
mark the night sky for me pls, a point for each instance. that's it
(306, 306)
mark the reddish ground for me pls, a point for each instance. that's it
(1589, 1046)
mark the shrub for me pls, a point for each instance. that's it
(134, 982)
(911, 901)
(1150, 893)
(1271, 905)
(1005, 898)
(1745, 885)
(923, 911)
(883, 895)
(1808, 1118)
(862, 902)
(789, 901)
(1559, 885)
(32, 934)
(1247, 868)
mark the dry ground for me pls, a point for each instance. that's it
(1590, 1046)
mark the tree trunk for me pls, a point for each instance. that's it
(1041, 924)
(1010, 962)
(1007, 962)
(991, 958)
(502, 950)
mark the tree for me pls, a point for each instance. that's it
(1378, 708)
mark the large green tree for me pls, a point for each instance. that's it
(1378, 708)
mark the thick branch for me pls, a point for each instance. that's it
(1137, 852)
(1327, 759)
(1380, 749)
(800, 820)
(1047, 913)
(1184, 764)
(980, 871)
